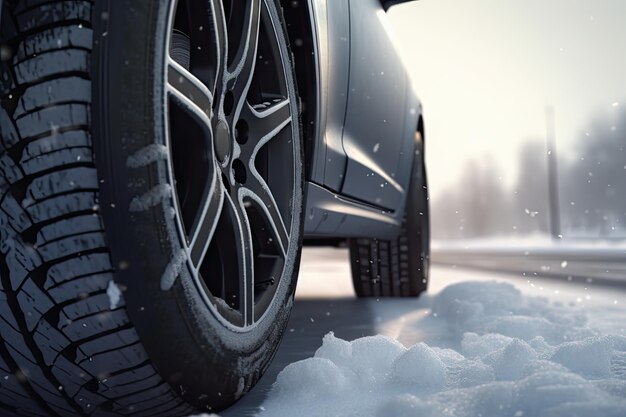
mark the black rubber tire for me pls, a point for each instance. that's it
(400, 267)
(67, 236)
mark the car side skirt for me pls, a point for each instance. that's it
(329, 214)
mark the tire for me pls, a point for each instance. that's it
(132, 282)
(400, 267)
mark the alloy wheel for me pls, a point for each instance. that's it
(233, 155)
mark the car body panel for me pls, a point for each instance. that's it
(375, 128)
(331, 21)
(332, 215)
(367, 115)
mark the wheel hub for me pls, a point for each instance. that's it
(222, 141)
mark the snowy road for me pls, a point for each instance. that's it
(325, 303)
(600, 263)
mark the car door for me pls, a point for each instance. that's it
(377, 130)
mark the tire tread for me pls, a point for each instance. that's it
(63, 350)
(383, 268)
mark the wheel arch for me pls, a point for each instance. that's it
(420, 127)
(422, 147)
(302, 40)
(422, 131)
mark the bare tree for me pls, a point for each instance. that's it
(594, 184)
(592, 200)
(477, 206)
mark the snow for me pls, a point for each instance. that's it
(507, 354)
(172, 271)
(151, 198)
(114, 293)
(147, 155)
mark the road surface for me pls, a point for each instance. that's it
(601, 264)
(325, 302)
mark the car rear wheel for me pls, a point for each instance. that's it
(151, 212)
(398, 267)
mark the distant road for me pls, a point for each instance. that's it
(601, 265)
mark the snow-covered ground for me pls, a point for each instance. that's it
(473, 347)
(508, 355)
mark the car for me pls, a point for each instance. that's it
(162, 162)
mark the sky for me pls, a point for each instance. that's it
(485, 70)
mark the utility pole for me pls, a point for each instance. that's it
(553, 179)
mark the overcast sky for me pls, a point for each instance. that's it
(486, 69)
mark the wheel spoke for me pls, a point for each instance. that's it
(189, 91)
(205, 226)
(258, 190)
(264, 125)
(241, 71)
(220, 32)
(245, 254)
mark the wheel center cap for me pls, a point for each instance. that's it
(222, 141)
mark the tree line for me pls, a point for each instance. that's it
(592, 191)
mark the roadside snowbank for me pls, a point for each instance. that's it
(510, 355)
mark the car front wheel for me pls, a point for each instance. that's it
(151, 214)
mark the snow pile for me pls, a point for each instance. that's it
(509, 355)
